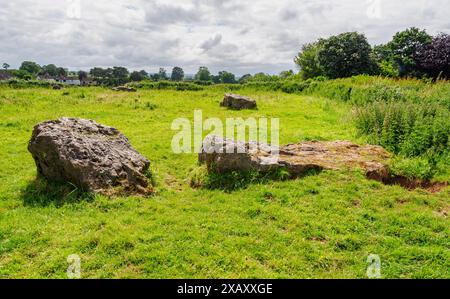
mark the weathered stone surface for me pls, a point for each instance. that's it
(235, 101)
(296, 158)
(124, 88)
(90, 155)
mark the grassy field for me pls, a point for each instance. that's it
(319, 226)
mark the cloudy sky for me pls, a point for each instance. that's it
(234, 35)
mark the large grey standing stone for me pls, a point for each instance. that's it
(235, 101)
(92, 156)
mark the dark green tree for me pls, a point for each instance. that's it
(262, 77)
(144, 74)
(162, 74)
(346, 55)
(6, 66)
(136, 76)
(154, 77)
(286, 74)
(49, 69)
(227, 77)
(30, 67)
(118, 75)
(215, 79)
(308, 60)
(177, 74)
(404, 46)
(21, 74)
(111, 76)
(244, 78)
(98, 72)
(82, 76)
(382, 53)
(203, 74)
(61, 71)
(119, 72)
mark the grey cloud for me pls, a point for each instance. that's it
(167, 14)
(211, 42)
(288, 14)
(318, 9)
(223, 52)
(286, 42)
(245, 31)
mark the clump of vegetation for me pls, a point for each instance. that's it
(21, 83)
(412, 168)
(418, 132)
(409, 129)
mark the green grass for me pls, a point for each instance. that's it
(321, 225)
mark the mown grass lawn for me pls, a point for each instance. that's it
(319, 226)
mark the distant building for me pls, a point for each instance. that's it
(68, 80)
(46, 77)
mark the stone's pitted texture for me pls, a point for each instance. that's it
(225, 155)
(235, 101)
(124, 88)
(90, 155)
(296, 158)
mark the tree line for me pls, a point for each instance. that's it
(410, 53)
(29, 70)
(118, 75)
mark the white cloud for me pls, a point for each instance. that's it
(250, 36)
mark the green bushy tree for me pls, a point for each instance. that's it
(177, 74)
(245, 78)
(346, 55)
(30, 67)
(98, 72)
(226, 77)
(308, 60)
(137, 76)
(286, 74)
(262, 77)
(21, 74)
(162, 74)
(49, 69)
(404, 45)
(203, 74)
(111, 76)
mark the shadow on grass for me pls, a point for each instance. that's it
(236, 180)
(240, 109)
(41, 193)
